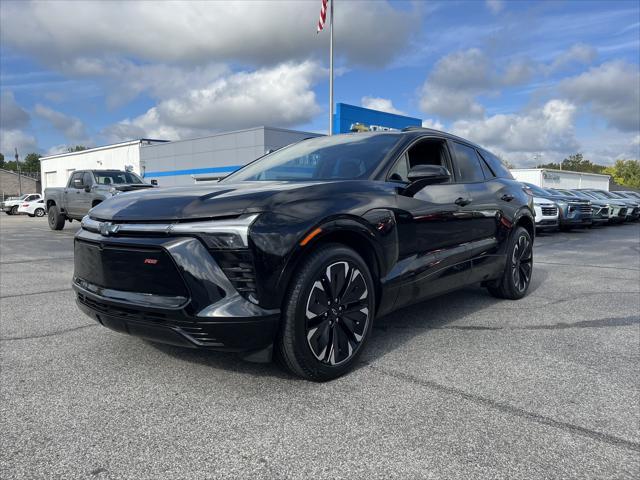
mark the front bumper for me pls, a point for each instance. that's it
(205, 311)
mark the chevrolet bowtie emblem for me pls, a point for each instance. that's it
(107, 228)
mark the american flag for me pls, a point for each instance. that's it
(323, 15)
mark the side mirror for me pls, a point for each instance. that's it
(87, 188)
(422, 175)
(154, 182)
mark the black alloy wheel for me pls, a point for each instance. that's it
(327, 315)
(522, 263)
(337, 313)
(516, 277)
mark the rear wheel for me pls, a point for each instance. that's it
(328, 314)
(56, 219)
(516, 278)
(39, 212)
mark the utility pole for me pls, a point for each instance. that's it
(19, 173)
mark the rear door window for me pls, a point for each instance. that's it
(496, 165)
(467, 166)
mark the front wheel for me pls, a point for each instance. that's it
(56, 219)
(328, 314)
(516, 278)
(14, 210)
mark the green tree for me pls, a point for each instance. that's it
(625, 172)
(554, 166)
(31, 162)
(1, 160)
(77, 148)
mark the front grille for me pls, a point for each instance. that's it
(130, 269)
(238, 266)
(584, 208)
(549, 210)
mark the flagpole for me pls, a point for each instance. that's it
(331, 67)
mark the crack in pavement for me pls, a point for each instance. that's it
(598, 323)
(587, 266)
(510, 409)
(36, 293)
(52, 334)
(34, 260)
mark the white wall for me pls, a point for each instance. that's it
(56, 169)
(561, 178)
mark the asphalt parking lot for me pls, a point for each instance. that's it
(463, 386)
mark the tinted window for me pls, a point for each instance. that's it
(350, 157)
(111, 177)
(468, 168)
(400, 171)
(498, 168)
(87, 179)
(76, 176)
(486, 170)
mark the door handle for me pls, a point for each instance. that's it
(507, 197)
(462, 201)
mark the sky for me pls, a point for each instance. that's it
(532, 81)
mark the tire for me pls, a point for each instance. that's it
(321, 341)
(516, 278)
(39, 212)
(56, 219)
(14, 210)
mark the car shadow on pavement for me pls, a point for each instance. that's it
(389, 333)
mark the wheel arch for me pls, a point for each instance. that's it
(349, 233)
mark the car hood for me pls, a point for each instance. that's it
(200, 202)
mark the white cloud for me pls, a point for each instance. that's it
(611, 90)
(281, 96)
(72, 128)
(456, 80)
(254, 32)
(495, 6)
(382, 104)
(579, 53)
(12, 115)
(434, 124)
(548, 130)
(13, 118)
(10, 139)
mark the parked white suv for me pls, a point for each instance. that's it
(11, 204)
(546, 213)
(33, 209)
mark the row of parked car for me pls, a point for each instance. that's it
(31, 204)
(558, 208)
(555, 208)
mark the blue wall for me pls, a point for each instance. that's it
(347, 115)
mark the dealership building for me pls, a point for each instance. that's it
(185, 162)
(206, 159)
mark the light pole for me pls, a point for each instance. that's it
(19, 174)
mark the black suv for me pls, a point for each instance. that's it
(301, 249)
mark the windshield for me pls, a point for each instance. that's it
(598, 195)
(107, 177)
(349, 157)
(539, 191)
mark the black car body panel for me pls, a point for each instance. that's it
(441, 238)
